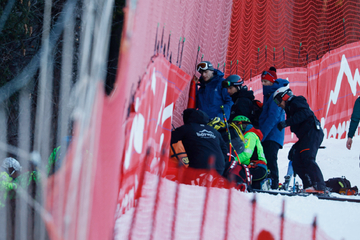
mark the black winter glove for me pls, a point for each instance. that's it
(281, 125)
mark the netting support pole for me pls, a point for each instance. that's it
(237, 63)
(284, 57)
(197, 55)
(162, 38)
(253, 203)
(265, 54)
(228, 212)
(168, 46)
(177, 59)
(282, 220)
(156, 38)
(138, 193)
(314, 225)
(176, 200)
(182, 50)
(274, 58)
(208, 179)
(156, 204)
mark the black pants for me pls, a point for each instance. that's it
(303, 155)
(271, 149)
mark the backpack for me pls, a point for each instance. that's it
(256, 111)
(341, 185)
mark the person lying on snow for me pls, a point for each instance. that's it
(253, 156)
(200, 141)
(306, 126)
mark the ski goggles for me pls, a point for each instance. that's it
(278, 99)
(226, 84)
(203, 66)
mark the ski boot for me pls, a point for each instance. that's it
(285, 185)
(266, 184)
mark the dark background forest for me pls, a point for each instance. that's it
(20, 41)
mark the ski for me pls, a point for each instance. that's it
(324, 196)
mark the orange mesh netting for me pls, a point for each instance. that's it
(287, 34)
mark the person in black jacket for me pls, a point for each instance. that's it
(242, 98)
(200, 140)
(306, 126)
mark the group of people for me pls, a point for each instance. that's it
(231, 126)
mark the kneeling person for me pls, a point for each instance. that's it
(200, 140)
(253, 156)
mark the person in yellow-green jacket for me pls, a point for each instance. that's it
(9, 170)
(253, 156)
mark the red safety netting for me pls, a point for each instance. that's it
(169, 210)
(157, 25)
(131, 128)
(287, 34)
(330, 86)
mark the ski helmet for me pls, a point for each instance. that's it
(11, 165)
(241, 119)
(204, 65)
(283, 93)
(232, 80)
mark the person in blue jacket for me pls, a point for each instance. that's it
(273, 138)
(211, 96)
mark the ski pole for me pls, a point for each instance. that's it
(228, 132)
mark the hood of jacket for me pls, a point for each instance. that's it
(218, 76)
(243, 93)
(250, 128)
(192, 115)
(268, 90)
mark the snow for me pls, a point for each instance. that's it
(340, 220)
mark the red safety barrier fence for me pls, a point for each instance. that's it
(287, 34)
(330, 86)
(131, 128)
(195, 203)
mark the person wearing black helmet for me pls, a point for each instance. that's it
(243, 99)
(211, 96)
(303, 122)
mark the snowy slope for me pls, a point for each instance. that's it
(340, 220)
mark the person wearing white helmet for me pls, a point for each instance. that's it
(303, 122)
(11, 166)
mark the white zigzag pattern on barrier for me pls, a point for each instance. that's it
(344, 69)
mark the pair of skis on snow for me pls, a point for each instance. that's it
(294, 191)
